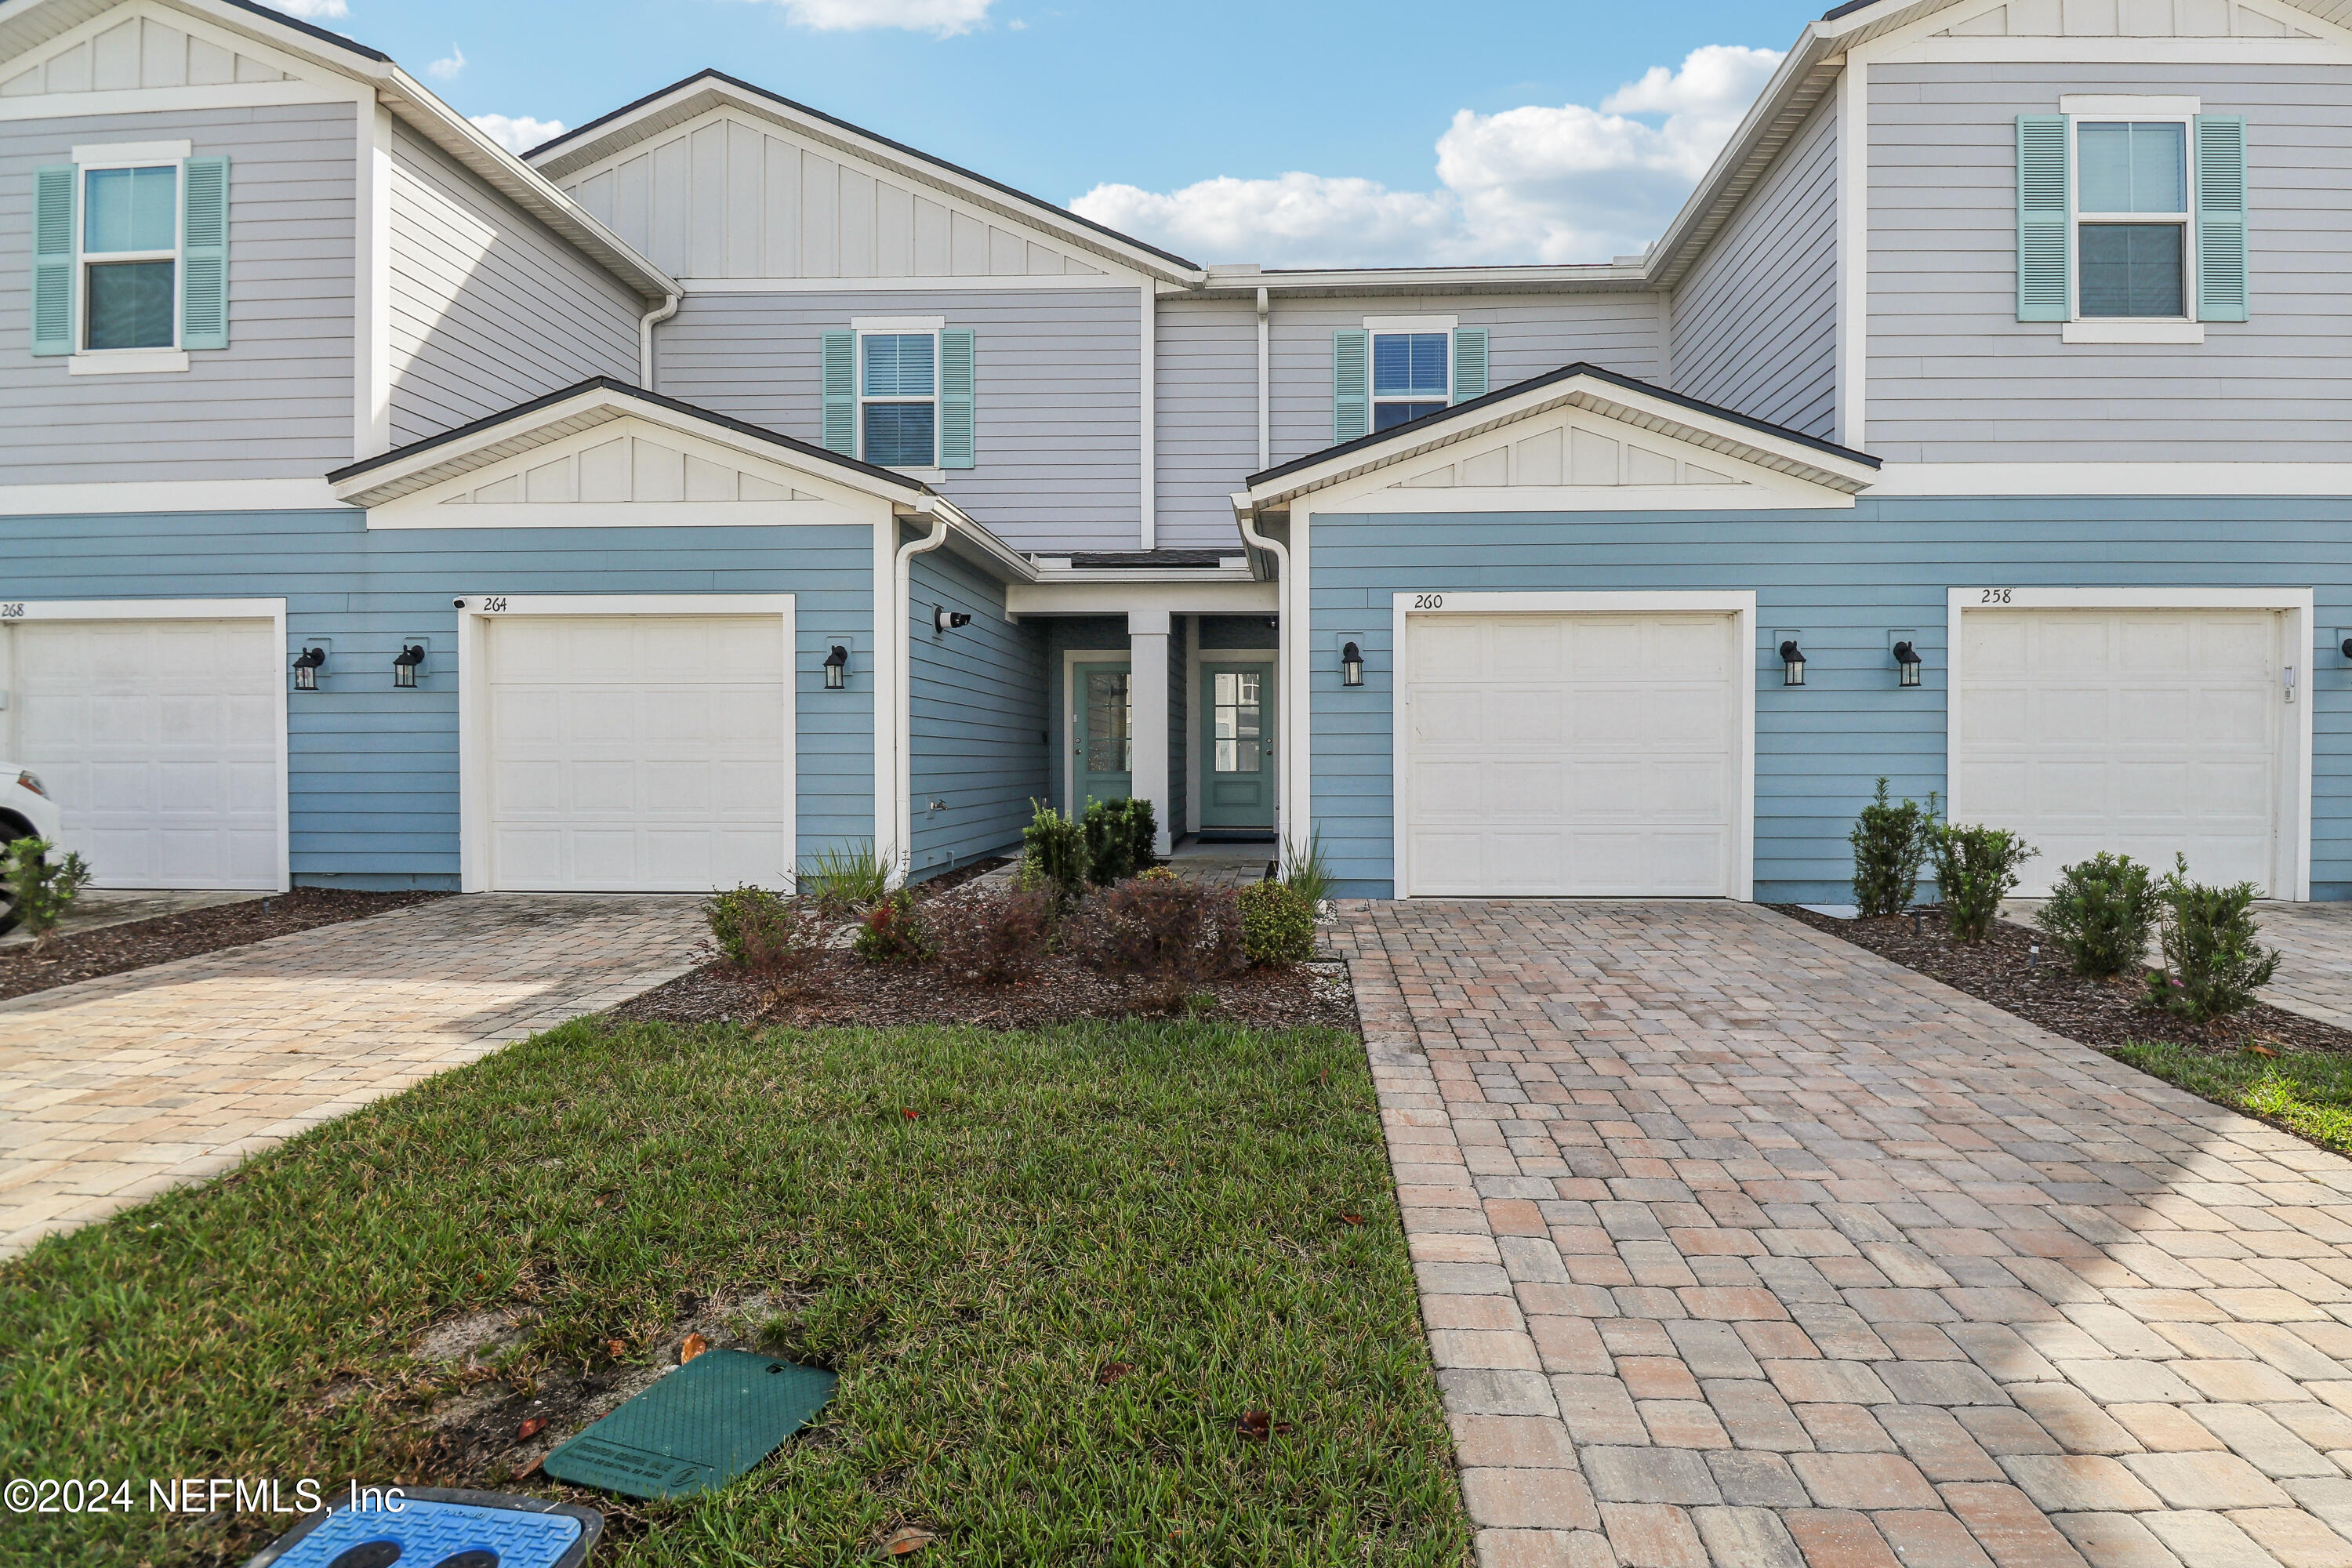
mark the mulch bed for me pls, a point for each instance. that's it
(2100, 1014)
(113, 950)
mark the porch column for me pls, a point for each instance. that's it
(1147, 642)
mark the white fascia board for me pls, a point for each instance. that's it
(168, 496)
(1224, 597)
(1770, 492)
(2233, 480)
(991, 283)
(176, 100)
(1593, 277)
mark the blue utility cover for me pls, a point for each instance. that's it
(433, 1528)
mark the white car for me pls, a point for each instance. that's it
(25, 812)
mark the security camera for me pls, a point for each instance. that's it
(947, 620)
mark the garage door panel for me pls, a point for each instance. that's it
(1616, 775)
(639, 752)
(2131, 732)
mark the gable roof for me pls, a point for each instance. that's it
(706, 89)
(27, 25)
(599, 400)
(1589, 387)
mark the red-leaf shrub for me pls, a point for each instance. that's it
(1173, 937)
(989, 938)
(891, 931)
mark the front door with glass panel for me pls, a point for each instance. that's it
(1236, 745)
(1102, 734)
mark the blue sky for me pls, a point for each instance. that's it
(1228, 130)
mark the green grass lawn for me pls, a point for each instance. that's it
(2308, 1092)
(1167, 1195)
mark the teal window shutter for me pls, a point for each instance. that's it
(955, 397)
(1469, 363)
(840, 394)
(203, 255)
(2045, 237)
(1351, 393)
(2222, 266)
(53, 259)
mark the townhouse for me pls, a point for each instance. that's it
(722, 484)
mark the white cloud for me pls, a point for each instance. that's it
(944, 17)
(1537, 184)
(520, 134)
(447, 69)
(313, 10)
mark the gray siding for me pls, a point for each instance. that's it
(1056, 404)
(276, 402)
(1527, 335)
(978, 719)
(1843, 580)
(489, 308)
(1755, 324)
(1206, 419)
(1955, 377)
(374, 780)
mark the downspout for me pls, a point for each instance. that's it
(902, 699)
(1265, 384)
(646, 326)
(1245, 514)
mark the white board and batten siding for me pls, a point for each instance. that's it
(1574, 754)
(490, 308)
(274, 404)
(730, 198)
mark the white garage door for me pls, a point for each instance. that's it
(1572, 755)
(637, 754)
(159, 740)
(2139, 732)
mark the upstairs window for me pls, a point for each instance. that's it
(130, 258)
(897, 391)
(898, 399)
(2132, 218)
(1413, 375)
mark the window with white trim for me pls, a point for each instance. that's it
(2132, 212)
(898, 399)
(1413, 375)
(130, 257)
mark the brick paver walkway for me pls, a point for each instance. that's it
(2314, 977)
(1739, 1245)
(116, 1088)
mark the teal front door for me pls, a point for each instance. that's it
(1102, 734)
(1237, 745)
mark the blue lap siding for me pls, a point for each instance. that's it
(979, 721)
(373, 770)
(1844, 580)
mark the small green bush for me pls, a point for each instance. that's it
(1890, 844)
(40, 891)
(1277, 925)
(1306, 873)
(2212, 962)
(892, 933)
(1120, 837)
(776, 940)
(2100, 914)
(1054, 856)
(847, 879)
(1975, 868)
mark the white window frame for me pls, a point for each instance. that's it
(1402, 328)
(90, 160)
(2182, 328)
(863, 327)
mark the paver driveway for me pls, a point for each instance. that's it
(2315, 978)
(116, 1088)
(1739, 1245)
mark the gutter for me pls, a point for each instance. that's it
(646, 326)
(902, 699)
(1289, 697)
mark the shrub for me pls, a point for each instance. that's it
(2212, 962)
(40, 891)
(1120, 837)
(1277, 925)
(1054, 856)
(844, 881)
(993, 938)
(1890, 844)
(1309, 875)
(891, 932)
(1174, 937)
(776, 941)
(1975, 869)
(2100, 915)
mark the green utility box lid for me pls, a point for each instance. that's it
(696, 1429)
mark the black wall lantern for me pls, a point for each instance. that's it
(404, 665)
(2347, 648)
(307, 665)
(837, 667)
(1906, 664)
(1792, 664)
(946, 620)
(1352, 666)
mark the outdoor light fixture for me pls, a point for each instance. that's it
(307, 665)
(1792, 664)
(1906, 663)
(1352, 666)
(837, 667)
(405, 665)
(2347, 648)
(948, 620)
